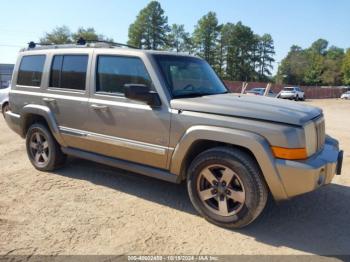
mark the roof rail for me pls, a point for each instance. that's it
(80, 43)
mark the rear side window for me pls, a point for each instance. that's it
(31, 70)
(113, 72)
(69, 71)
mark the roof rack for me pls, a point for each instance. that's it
(79, 44)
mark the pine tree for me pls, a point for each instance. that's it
(205, 37)
(179, 40)
(149, 31)
(266, 51)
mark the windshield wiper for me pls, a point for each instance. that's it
(192, 95)
(197, 95)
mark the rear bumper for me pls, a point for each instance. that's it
(287, 95)
(14, 122)
(299, 177)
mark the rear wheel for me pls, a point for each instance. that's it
(5, 108)
(226, 187)
(43, 151)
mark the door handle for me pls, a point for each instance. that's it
(99, 107)
(48, 100)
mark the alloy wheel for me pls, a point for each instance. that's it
(39, 148)
(221, 190)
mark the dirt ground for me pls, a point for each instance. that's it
(86, 208)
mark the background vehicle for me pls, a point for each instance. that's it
(169, 116)
(259, 91)
(294, 93)
(346, 95)
(4, 98)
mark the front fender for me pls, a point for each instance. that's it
(255, 143)
(47, 114)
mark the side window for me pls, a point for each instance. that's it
(31, 70)
(113, 72)
(69, 71)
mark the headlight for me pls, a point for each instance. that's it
(310, 138)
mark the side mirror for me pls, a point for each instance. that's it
(142, 93)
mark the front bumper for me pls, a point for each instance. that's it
(299, 177)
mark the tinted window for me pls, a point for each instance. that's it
(31, 70)
(113, 72)
(56, 71)
(69, 71)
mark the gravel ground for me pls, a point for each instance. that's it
(86, 208)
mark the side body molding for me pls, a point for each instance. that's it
(46, 113)
(255, 143)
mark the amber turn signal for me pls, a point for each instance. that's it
(289, 153)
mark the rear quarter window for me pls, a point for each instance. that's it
(31, 70)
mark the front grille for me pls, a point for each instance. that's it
(320, 132)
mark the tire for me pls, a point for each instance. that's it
(5, 108)
(43, 151)
(245, 190)
(297, 98)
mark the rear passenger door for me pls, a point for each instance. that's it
(123, 128)
(67, 94)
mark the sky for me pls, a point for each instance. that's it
(290, 22)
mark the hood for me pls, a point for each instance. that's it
(254, 107)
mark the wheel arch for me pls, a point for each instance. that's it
(199, 138)
(4, 104)
(36, 113)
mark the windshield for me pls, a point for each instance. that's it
(189, 76)
(288, 89)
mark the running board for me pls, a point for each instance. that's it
(123, 164)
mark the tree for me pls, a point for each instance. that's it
(316, 65)
(205, 37)
(179, 40)
(59, 35)
(227, 50)
(319, 46)
(89, 34)
(332, 71)
(149, 31)
(346, 68)
(241, 52)
(313, 73)
(266, 51)
(63, 35)
(292, 67)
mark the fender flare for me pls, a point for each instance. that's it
(47, 114)
(253, 142)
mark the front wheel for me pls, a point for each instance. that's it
(226, 187)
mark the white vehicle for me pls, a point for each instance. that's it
(346, 95)
(294, 93)
(4, 98)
